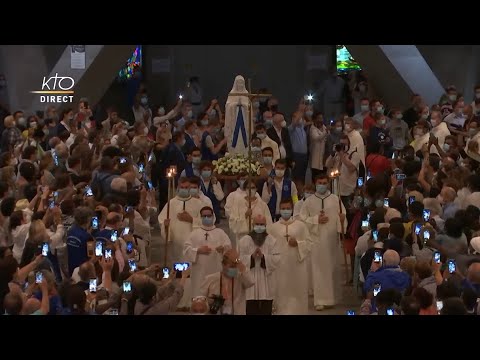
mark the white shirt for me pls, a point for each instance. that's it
(283, 152)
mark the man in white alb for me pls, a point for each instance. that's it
(259, 251)
(291, 295)
(323, 217)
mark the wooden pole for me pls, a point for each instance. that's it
(167, 228)
(249, 156)
(342, 227)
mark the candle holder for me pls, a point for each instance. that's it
(171, 173)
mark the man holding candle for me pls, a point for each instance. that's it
(293, 243)
(323, 217)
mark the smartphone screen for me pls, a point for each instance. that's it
(451, 266)
(436, 257)
(108, 253)
(99, 249)
(369, 175)
(350, 312)
(51, 203)
(418, 227)
(375, 235)
(377, 257)
(166, 272)
(129, 247)
(179, 267)
(45, 249)
(149, 185)
(141, 168)
(55, 196)
(426, 215)
(426, 236)
(38, 277)
(88, 191)
(127, 286)
(390, 311)
(439, 306)
(128, 209)
(123, 160)
(126, 231)
(150, 157)
(385, 202)
(360, 182)
(411, 199)
(92, 285)
(133, 265)
(376, 289)
(365, 224)
(114, 236)
(95, 223)
(401, 176)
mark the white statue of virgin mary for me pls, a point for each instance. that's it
(236, 119)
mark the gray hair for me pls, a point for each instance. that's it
(391, 258)
(82, 215)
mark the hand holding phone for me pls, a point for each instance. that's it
(133, 265)
(45, 249)
(38, 277)
(95, 223)
(166, 272)
(92, 286)
(436, 257)
(360, 182)
(377, 257)
(114, 236)
(376, 289)
(108, 253)
(127, 286)
(426, 215)
(452, 266)
(99, 249)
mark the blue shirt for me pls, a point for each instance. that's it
(77, 247)
(298, 138)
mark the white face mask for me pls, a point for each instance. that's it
(283, 124)
(161, 111)
(145, 131)
(348, 127)
(21, 121)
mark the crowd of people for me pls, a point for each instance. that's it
(392, 194)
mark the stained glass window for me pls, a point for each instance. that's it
(345, 61)
(134, 63)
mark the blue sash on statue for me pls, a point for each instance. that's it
(239, 126)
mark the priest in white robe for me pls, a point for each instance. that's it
(236, 119)
(258, 250)
(204, 249)
(241, 215)
(293, 243)
(321, 213)
(230, 284)
(184, 217)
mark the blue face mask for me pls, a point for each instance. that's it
(446, 147)
(193, 192)
(204, 122)
(240, 183)
(267, 160)
(196, 160)
(321, 189)
(232, 272)
(259, 229)
(183, 193)
(206, 174)
(378, 203)
(286, 214)
(268, 123)
(207, 220)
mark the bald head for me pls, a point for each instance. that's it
(259, 220)
(114, 219)
(391, 258)
(473, 273)
(9, 121)
(448, 194)
(230, 256)
(86, 271)
(199, 306)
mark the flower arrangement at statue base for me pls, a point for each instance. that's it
(233, 165)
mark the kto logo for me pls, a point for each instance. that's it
(56, 88)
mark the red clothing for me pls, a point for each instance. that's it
(377, 164)
(368, 122)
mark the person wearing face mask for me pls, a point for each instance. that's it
(279, 133)
(456, 119)
(11, 136)
(260, 252)
(195, 192)
(210, 187)
(184, 217)
(369, 121)
(194, 158)
(267, 119)
(308, 115)
(381, 134)
(308, 190)
(277, 188)
(421, 135)
(191, 139)
(257, 150)
(209, 150)
(166, 117)
(230, 285)
(323, 217)
(398, 130)
(360, 92)
(174, 154)
(240, 213)
(187, 114)
(318, 137)
(204, 249)
(239, 192)
(300, 142)
(356, 142)
(347, 161)
(362, 114)
(294, 244)
(446, 101)
(473, 136)
(141, 111)
(439, 131)
(261, 133)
